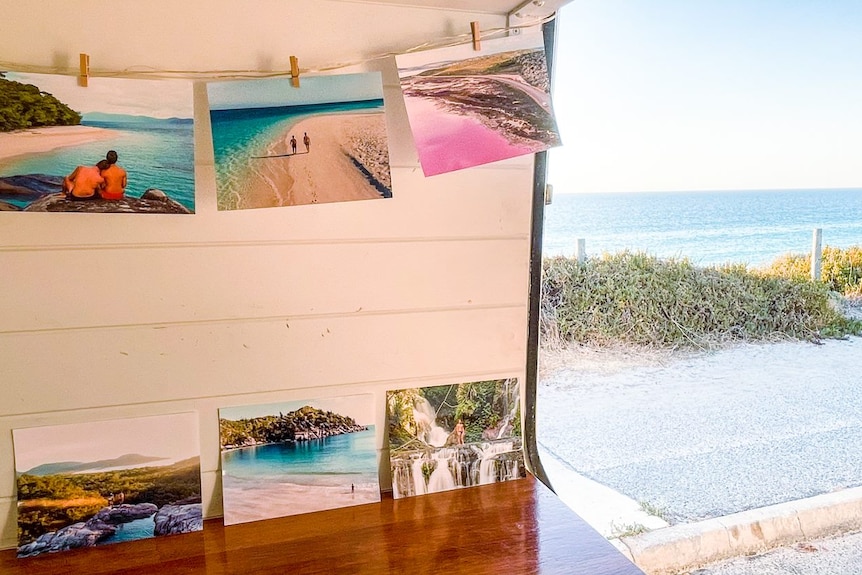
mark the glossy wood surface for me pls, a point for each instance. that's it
(515, 527)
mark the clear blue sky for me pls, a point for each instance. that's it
(666, 95)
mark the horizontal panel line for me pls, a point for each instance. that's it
(389, 383)
(358, 313)
(263, 243)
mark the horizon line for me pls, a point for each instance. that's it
(712, 190)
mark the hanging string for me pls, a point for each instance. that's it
(150, 72)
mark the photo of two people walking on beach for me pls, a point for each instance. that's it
(306, 140)
(106, 180)
(256, 126)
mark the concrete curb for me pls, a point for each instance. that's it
(679, 547)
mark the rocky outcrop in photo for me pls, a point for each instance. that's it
(87, 533)
(45, 194)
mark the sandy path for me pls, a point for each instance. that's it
(324, 174)
(40, 140)
(708, 434)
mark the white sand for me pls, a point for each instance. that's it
(40, 140)
(324, 174)
(247, 503)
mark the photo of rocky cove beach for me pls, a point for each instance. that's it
(454, 436)
(276, 145)
(118, 146)
(297, 457)
(467, 108)
(122, 484)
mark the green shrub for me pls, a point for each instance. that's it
(841, 269)
(636, 298)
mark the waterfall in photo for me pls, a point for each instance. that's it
(426, 421)
(418, 477)
(456, 467)
(513, 398)
(441, 478)
(492, 469)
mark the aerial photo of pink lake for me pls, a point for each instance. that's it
(448, 141)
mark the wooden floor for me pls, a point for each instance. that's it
(515, 527)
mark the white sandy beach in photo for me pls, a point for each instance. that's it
(41, 140)
(255, 500)
(324, 174)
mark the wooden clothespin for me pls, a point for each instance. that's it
(474, 29)
(84, 77)
(294, 72)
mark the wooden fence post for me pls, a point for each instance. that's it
(816, 254)
(582, 251)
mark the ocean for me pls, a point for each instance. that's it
(334, 461)
(240, 135)
(156, 154)
(708, 228)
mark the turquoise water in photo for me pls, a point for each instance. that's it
(133, 530)
(750, 227)
(333, 461)
(239, 135)
(155, 153)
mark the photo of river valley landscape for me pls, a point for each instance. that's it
(454, 436)
(296, 457)
(88, 484)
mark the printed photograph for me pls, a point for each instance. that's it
(454, 436)
(469, 108)
(88, 484)
(278, 145)
(118, 145)
(297, 457)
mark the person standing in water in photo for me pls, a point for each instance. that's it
(83, 183)
(460, 432)
(115, 177)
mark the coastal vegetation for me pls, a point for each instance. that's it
(635, 298)
(841, 270)
(50, 502)
(305, 423)
(25, 106)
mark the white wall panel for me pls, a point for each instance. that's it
(481, 202)
(101, 287)
(206, 35)
(81, 368)
(113, 316)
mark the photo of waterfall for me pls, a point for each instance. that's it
(454, 436)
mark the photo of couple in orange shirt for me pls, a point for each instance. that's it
(106, 180)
